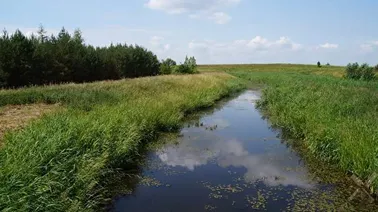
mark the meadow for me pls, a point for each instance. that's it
(336, 71)
(60, 161)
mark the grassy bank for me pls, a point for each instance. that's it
(337, 118)
(57, 163)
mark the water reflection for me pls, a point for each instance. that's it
(229, 160)
(192, 152)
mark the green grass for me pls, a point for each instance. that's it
(57, 163)
(337, 71)
(336, 118)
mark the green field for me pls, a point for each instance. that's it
(57, 162)
(337, 71)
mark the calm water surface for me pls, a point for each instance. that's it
(231, 160)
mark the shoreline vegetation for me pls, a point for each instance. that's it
(336, 118)
(57, 162)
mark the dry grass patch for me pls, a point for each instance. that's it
(16, 116)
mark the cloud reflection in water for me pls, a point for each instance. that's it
(193, 152)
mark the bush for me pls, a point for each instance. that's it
(367, 72)
(189, 66)
(319, 65)
(170, 62)
(167, 66)
(165, 69)
(357, 72)
(352, 71)
(183, 69)
(376, 68)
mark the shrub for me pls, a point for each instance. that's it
(357, 72)
(167, 66)
(183, 69)
(319, 65)
(376, 68)
(352, 70)
(165, 69)
(189, 66)
(170, 62)
(367, 72)
(328, 64)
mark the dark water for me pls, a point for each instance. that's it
(230, 161)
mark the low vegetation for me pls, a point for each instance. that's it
(169, 66)
(59, 162)
(336, 71)
(359, 72)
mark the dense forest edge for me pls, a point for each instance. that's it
(40, 60)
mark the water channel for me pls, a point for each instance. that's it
(231, 159)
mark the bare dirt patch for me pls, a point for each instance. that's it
(17, 116)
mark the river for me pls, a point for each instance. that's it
(231, 159)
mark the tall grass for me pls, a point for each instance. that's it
(337, 118)
(58, 163)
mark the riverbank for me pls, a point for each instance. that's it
(57, 163)
(230, 158)
(336, 118)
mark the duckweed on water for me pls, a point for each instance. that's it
(257, 203)
(210, 207)
(149, 181)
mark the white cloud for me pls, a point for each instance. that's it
(220, 18)
(257, 43)
(167, 47)
(158, 46)
(369, 46)
(192, 153)
(156, 40)
(210, 9)
(209, 51)
(329, 46)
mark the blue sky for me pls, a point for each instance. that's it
(214, 31)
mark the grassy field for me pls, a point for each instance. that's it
(336, 118)
(57, 163)
(337, 71)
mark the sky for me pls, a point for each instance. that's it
(214, 31)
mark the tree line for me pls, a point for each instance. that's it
(41, 59)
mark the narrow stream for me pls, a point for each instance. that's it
(231, 160)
